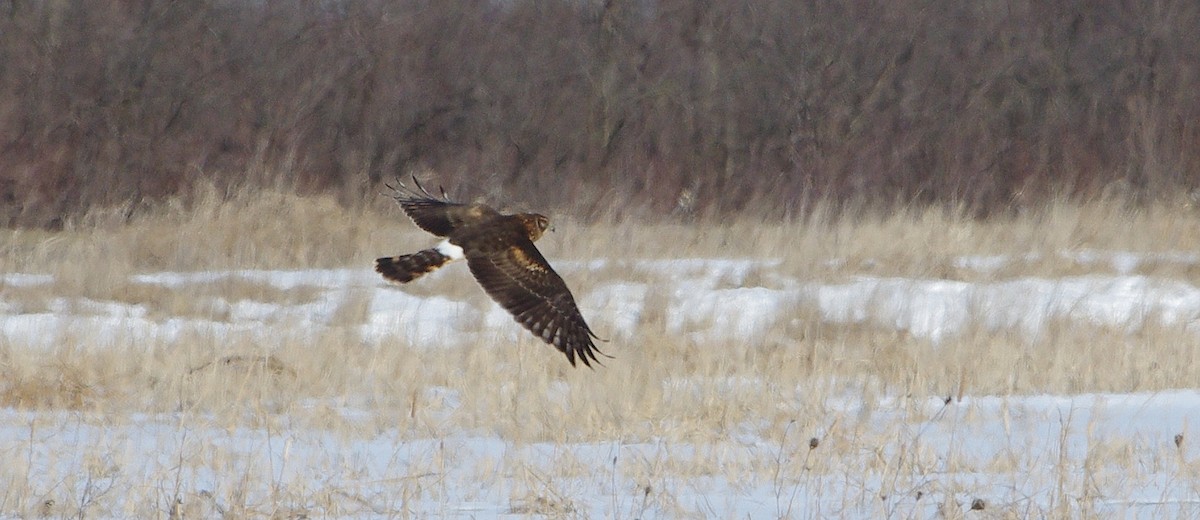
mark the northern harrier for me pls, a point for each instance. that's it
(500, 253)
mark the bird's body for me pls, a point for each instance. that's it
(500, 254)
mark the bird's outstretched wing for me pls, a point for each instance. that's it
(518, 277)
(437, 215)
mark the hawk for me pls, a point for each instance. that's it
(500, 254)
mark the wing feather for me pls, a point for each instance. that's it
(520, 279)
(438, 216)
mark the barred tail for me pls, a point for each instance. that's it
(406, 268)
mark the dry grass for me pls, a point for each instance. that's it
(660, 388)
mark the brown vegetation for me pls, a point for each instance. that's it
(814, 391)
(655, 108)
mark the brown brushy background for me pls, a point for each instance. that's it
(647, 108)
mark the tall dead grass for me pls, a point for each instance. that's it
(659, 387)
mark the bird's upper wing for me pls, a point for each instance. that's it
(442, 217)
(517, 276)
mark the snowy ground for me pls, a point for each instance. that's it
(1126, 454)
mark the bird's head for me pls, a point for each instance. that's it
(535, 224)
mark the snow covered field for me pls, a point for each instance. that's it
(848, 449)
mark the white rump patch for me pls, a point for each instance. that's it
(450, 250)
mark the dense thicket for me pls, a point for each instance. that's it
(657, 107)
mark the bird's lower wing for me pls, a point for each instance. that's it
(520, 280)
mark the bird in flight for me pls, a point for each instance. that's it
(500, 254)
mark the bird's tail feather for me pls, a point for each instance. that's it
(406, 268)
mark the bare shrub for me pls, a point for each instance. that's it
(668, 109)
